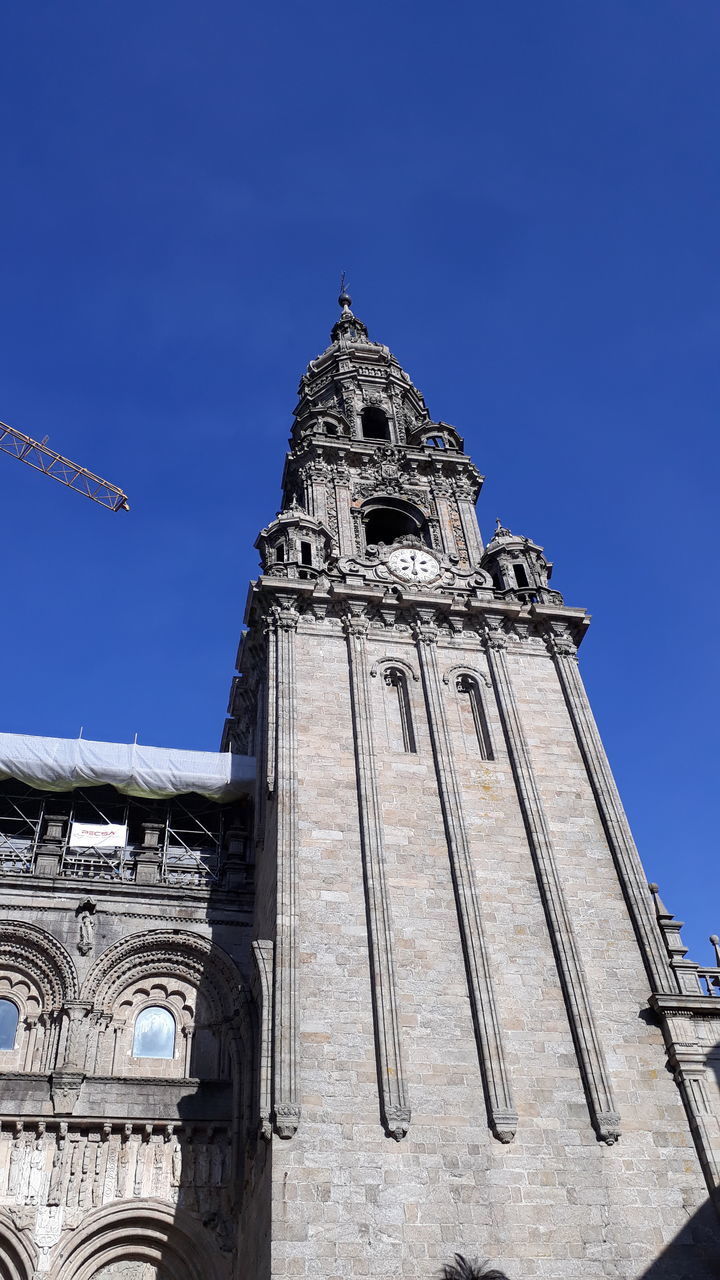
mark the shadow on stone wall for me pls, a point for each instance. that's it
(695, 1252)
(116, 1164)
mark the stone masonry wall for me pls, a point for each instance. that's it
(554, 1203)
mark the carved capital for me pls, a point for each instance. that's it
(496, 641)
(561, 644)
(356, 626)
(493, 634)
(426, 634)
(425, 628)
(284, 617)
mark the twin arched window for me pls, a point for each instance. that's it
(9, 1017)
(154, 1035)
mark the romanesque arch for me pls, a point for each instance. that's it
(41, 959)
(39, 978)
(187, 975)
(164, 953)
(148, 1241)
(17, 1262)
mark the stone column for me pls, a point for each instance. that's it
(315, 481)
(286, 1105)
(346, 531)
(591, 1059)
(394, 1106)
(442, 493)
(31, 1025)
(189, 1037)
(271, 708)
(502, 1116)
(617, 829)
(76, 1043)
(263, 957)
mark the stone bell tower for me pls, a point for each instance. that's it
(467, 990)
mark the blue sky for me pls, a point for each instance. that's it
(526, 198)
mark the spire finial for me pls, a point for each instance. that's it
(345, 300)
(500, 531)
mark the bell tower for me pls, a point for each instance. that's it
(456, 950)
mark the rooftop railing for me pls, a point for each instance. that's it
(187, 841)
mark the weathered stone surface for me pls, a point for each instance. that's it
(438, 1013)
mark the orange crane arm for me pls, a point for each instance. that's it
(36, 454)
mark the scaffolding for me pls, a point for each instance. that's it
(186, 840)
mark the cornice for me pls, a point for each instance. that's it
(320, 603)
(686, 1005)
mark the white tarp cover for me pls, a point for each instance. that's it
(60, 764)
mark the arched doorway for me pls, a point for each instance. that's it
(16, 1261)
(149, 1241)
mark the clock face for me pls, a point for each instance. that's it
(413, 565)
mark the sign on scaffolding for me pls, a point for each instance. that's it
(97, 835)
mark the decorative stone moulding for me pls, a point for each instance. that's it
(65, 1087)
(394, 1104)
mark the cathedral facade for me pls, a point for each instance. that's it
(390, 984)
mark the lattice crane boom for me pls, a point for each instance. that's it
(35, 453)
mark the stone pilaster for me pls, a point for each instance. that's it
(286, 1106)
(468, 520)
(591, 1058)
(502, 1116)
(691, 1079)
(617, 829)
(394, 1106)
(346, 532)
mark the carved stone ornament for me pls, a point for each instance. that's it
(86, 931)
(397, 1122)
(386, 564)
(23, 1216)
(65, 1089)
(287, 1119)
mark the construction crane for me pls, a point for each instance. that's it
(36, 454)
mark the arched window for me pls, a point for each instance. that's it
(375, 425)
(154, 1033)
(469, 690)
(390, 519)
(399, 710)
(9, 1015)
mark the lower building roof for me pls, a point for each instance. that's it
(61, 764)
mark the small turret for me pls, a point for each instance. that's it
(294, 545)
(518, 568)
